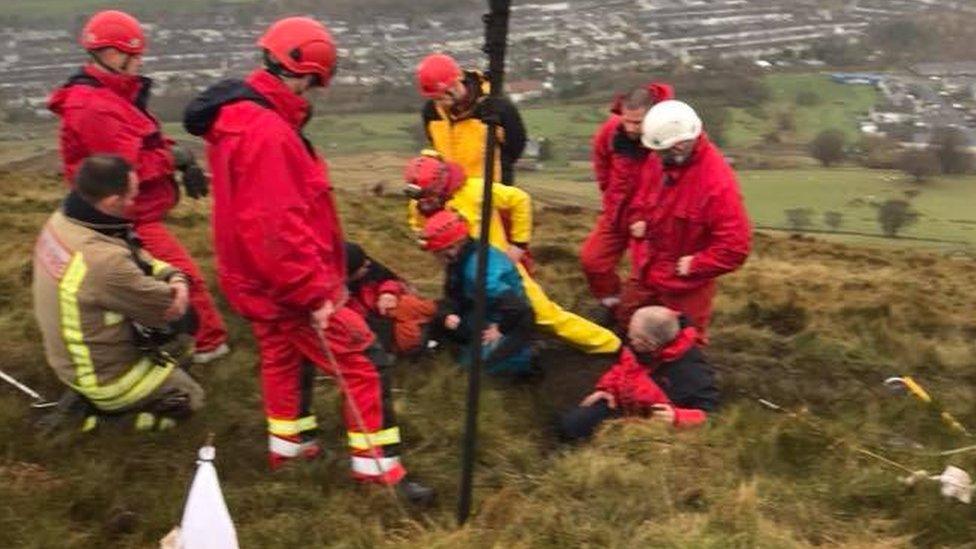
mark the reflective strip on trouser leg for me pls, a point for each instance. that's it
(374, 467)
(579, 332)
(364, 441)
(291, 427)
(282, 447)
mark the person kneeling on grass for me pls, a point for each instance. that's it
(662, 374)
(400, 319)
(506, 339)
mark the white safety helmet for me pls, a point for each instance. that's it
(669, 123)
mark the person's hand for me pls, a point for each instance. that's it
(491, 334)
(320, 316)
(181, 300)
(515, 253)
(386, 303)
(597, 396)
(638, 229)
(451, 322)
(663, 413)
(195, 182)
(683, 268)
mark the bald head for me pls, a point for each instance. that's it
(653, 327)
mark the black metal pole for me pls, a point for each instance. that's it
(496, 35)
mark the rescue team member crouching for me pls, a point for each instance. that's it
(453, 118)
(280, 253)
(618, 156)
(399, 317)
(434, 184)
(103, 110)
(662, 374)
(108, 311)
(695, 225)
(509, 318)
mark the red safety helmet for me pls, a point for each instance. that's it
(436, 73)
(301, 45)
(429, 175)
(442, 230)
(113, 29)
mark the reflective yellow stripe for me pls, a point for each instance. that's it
(90, 423)
(159, 266)
(145, 421)
(141, 380)
(71, 332)
(291, 427)
(283, 427)
(386, 437)
(307, 423)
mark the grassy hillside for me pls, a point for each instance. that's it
(811, 325)
(837, 106)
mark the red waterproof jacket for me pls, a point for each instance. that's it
(677, 375)
(102, 112)
(617, 160)
(696, 210)
(276, 231)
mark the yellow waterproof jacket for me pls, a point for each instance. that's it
(467, 202)
(549, 316)
(460, 136)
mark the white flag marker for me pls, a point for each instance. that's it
(206, 521)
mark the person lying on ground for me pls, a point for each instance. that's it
(662, 375)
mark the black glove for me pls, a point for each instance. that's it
(195, 182)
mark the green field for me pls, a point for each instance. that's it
(838, 108)
(945, 203)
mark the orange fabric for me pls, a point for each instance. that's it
(409, 317)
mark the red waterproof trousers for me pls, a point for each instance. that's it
(601, 253)
(161, 243)
(286, 347)
(696, 304)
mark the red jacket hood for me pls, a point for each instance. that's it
(659, 90)
(131, 88)
(294, 108)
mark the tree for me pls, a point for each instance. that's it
(799, 219)
(880, 153)
(920, 164)
(828, 147)
(949, 145)
(894, 215)
(833, 220)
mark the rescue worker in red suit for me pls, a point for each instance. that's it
(103, 111)
(280, 253)
(662, 374)
(690, 216)
(617, 159)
